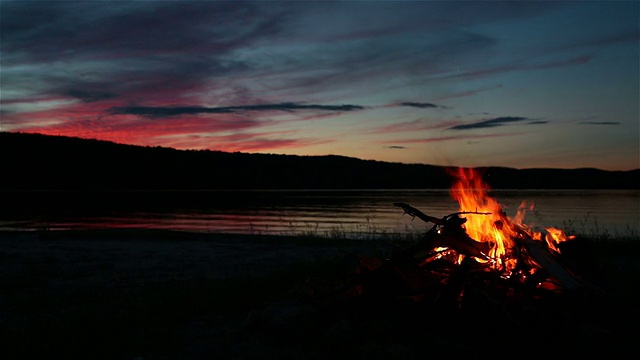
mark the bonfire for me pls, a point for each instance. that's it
(481, 231)
(477, 265)
(476, 282)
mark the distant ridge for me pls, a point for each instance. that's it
(44, 162)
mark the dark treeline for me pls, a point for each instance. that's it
(41, 162)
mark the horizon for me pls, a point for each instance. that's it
(523, 85)
(325, 155)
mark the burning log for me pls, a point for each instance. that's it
(528, 255)
(544, 259)
(446, 232)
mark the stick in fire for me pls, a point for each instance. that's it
(528, 259)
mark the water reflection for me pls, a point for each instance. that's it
(615, 212)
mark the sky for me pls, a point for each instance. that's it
(481, 83)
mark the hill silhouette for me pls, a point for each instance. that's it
(44, 162)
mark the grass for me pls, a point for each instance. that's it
(589, 227)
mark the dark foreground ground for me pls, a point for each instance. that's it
(126, 294)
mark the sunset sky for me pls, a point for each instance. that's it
(500, 83)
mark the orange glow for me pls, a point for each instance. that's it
(493, 225)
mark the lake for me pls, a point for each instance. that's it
(324, 212)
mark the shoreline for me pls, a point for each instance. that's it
(160, 254)
(216, 255)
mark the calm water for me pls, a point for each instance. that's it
(615, 212)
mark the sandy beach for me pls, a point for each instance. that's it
(142, 294)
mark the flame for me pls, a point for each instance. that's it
(487, 222)
(472, 195)
(554, 237)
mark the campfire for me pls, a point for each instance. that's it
(476, 280)
(478, 265)
(482, 232)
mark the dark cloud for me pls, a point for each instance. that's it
(51, 30)
(413, 126)
(419, 104)
(489, 123)
(452, 138)
(151, 111)
(538, 122)
(140, 49)
(396, 147)
(599, 123)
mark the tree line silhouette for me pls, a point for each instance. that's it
(44, 162)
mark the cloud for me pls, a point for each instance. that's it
(495, 122)
(148, 51)
(48, 30)
(413, 126)
(470, 138)
(599, 123)
(396, 147)
(413, 104)
(151, 111)
(155, 52)
(419, 105)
